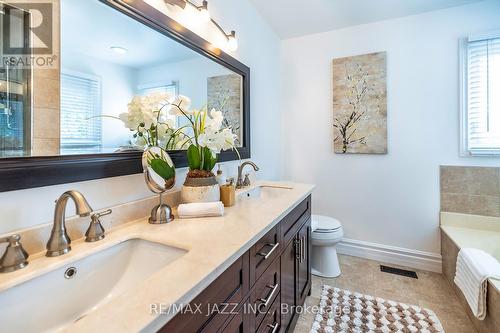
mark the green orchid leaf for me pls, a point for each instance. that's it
(213, 163)
(162, 168)
(209, 161)
(193, 156)
(206, 159)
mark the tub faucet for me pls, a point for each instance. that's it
(239, 182)
(59, 241)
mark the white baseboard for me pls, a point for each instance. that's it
(391, 254)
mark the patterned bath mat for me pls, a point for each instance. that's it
(343, 311)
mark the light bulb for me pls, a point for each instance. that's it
(204, 14)
(232, 42)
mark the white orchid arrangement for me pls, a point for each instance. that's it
(151, 127)
(146, 117)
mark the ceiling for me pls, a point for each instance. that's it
(293, 18)
(92, 28)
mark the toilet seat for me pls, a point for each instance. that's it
(324, 224)
(325, 230)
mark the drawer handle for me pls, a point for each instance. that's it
(274, 327)
(266, 255)
(266, 301)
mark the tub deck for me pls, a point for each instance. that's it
(459, 231)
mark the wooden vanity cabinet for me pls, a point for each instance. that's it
(295, 275)
(272, 277)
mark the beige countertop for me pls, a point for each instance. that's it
(212, 245)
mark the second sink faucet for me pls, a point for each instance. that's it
(240, 183)
(59, 241)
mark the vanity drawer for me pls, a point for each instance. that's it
(228, 290)
(271, 322)
(294, 220)
(266, 291)
(263, 253)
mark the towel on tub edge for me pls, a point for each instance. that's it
(474, 267)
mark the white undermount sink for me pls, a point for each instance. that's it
(264, 192)
(53, 301)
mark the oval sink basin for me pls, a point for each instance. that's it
(264, 192)
(52, 301)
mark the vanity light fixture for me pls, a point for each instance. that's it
(119, 49)
(204, 17)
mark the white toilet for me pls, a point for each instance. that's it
(326, 233)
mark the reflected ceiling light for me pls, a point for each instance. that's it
(204, 17)
(119, 49)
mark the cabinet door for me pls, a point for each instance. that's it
(304, 262)
(288, 285)
(235, 325)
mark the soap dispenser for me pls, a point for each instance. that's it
(220, 177)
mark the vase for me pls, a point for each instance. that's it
(200, 190)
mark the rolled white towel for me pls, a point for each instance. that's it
(201, 209)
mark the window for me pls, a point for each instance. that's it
(80, 112)
(481, 95)
(171, 88)
(168, 88)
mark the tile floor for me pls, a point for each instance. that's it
(430, 291)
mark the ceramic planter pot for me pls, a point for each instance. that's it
(200, 190)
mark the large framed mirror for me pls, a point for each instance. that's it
(74, 120)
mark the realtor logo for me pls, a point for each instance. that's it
(28, 33)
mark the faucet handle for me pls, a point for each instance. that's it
(246, 182)
(103, 213)
(15, 257)
(95, 232)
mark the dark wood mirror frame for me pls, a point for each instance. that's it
(29, 172)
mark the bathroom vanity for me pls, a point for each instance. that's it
(259, 292)
(246, 270)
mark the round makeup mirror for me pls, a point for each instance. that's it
(159, 174)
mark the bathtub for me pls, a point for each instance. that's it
(480, 232)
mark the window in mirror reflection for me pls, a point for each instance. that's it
(169, 88)
(80, 111)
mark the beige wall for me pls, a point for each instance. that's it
(470, 190)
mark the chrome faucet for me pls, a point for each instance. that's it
(240, 183)
(59, 241)
(15, 257)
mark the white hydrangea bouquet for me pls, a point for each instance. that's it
(204, 136)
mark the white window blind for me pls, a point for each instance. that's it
(80, 111)
(167, 88)
(482, 103)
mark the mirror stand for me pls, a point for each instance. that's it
(161, 213)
